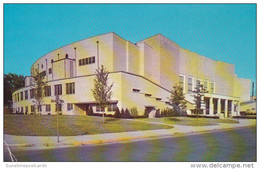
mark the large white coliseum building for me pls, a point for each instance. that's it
(143, 75)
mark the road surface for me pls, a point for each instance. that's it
(233, 145)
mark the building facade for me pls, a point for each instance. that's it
(143, 75)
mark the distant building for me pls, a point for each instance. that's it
(143, 75)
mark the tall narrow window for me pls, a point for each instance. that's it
(70, 88)
(197, 83)
(26, 94)
(71, 69)
(48, 107)
(32, 91)
(21, 95)
(69, 106)
(58, 89)
(32, 109)
(47, 91)
(212, 87)
(181, 82)
(39, 108)
(190, 80)
(206, 85)
(93, 59)
(58, 107)
(80, 62)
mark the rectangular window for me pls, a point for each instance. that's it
(79, 62)
(89, 60)
(21, 109)
(39, 108)
(86, 60)
(50, 71)
(48, 107)
(70, 88)
(181, 81)
(26, 94)
(93, 59)
(99, 109)
(136, 90)
(212, 87)
(58, 107)
(58, 89)
(71, 69)
(190, 80)
(69, 106)
(206, 85)
(198, 83)
(83, 61)
(147, 95)
(21, 95)
(47, 91)
(32, 109)
(32, 93)
(112, 107)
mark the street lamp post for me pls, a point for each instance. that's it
(57, 101)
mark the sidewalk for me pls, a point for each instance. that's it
(178, 130)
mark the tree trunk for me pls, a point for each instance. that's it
(103, 118)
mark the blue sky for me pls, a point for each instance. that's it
(225, 32)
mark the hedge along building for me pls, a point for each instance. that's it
(143, 75)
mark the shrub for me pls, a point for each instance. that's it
(134, 112)
(60, 114)
(168, 113)
(122, 114)
(146, 114)
(31, 113)
(127, 114)
(157, 114)
(49, 114)
(117, 113)
(89, 111)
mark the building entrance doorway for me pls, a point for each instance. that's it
(151, 111)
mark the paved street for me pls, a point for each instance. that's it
(232, 145)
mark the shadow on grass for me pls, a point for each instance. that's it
(111, 119)
(175, 119)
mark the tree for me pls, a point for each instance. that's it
(199, 97)
(117, 113)
(134, 112)
(122, 114)
(38, 90)
(127, 114)
(177, 100)
(102, 92)
(12, 82)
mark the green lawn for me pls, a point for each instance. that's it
(34, 125)
(189, 121)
